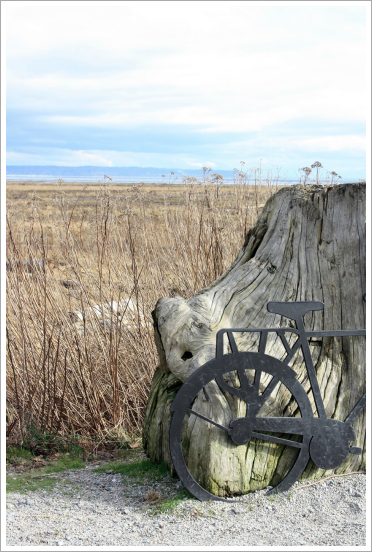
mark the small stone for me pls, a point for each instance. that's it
(355, 507)
(355, 493)
(109, 471)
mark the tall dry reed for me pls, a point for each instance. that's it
(87, 374)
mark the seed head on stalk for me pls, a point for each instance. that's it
(317, 165)
(307, 172)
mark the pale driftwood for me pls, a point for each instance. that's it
(124, 314)
(308, 244)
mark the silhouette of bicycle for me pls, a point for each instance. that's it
(324, 440)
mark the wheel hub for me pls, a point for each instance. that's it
(240, 431)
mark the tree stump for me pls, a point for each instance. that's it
(308, 244)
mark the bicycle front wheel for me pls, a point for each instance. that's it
(259, 381)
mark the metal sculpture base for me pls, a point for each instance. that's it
(324, 440)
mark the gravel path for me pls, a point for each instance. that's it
(84, 508)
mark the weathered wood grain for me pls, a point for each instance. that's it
(309, 243)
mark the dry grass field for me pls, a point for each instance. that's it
(86, 266)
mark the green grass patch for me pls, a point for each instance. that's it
(144, 470)
(34, 479)
(16, 455)
(49, 441)
(139, 470)
(28, 482)
(63, 463)
(170, 504)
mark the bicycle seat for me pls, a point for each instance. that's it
(294, 309)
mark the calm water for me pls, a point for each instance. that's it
(130, 179)
(115, 179)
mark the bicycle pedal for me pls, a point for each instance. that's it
(355, 450)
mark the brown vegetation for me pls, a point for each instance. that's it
(106, 244)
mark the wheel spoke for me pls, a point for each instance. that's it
(208, 420)
(249, 428)
(257, 379)
(244, 383)
(278, 440)
(357, 408)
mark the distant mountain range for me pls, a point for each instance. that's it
(146, 172)
(47, 173)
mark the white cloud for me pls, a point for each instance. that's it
(200, 165)
(302, 143)
(122, 27)
(333, 143)
(227, 67)
(59, 157)
(281, 150)
(94, 158)
(105, 158)
(242, 112)
(214, 67)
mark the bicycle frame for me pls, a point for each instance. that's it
(326, 441)
(301, 342)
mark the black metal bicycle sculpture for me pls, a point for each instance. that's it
(324, 440)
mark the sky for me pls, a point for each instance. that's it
(188, 84)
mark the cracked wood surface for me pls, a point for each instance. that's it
(309, 243)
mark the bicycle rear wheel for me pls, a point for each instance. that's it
(259, 376)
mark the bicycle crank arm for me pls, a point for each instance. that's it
(242, 430)
(329, 445)
(280, 425)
